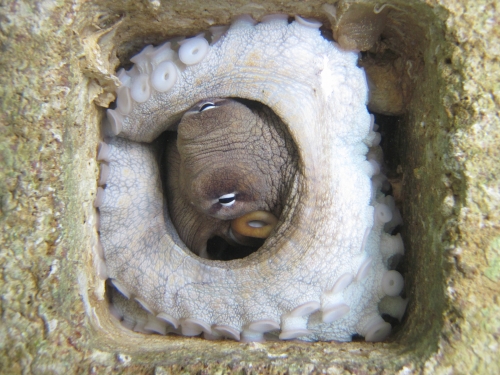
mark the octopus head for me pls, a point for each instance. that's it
(229, 163)
(218, 172)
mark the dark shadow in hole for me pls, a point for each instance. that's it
(357, 338)
(390, 128)
(390, 319)
(219, 249)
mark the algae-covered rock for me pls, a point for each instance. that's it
(58, 59)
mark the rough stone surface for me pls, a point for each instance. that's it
(58, 58)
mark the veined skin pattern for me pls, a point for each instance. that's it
(324, 271)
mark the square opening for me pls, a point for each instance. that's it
(415, 146)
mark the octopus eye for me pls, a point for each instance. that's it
(227, 199)
(206, 106)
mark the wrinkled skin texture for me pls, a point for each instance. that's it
(223, 149)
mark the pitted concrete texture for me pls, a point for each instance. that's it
(58, 59)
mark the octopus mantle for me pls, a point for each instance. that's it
(324, 272)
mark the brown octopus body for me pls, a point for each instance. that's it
(227, 175)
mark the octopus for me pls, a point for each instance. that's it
(323, 270)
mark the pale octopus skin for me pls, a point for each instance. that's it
(324, 272)
(227, 152)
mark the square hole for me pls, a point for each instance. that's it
(415, 146)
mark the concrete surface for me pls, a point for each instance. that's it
(58, 58)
